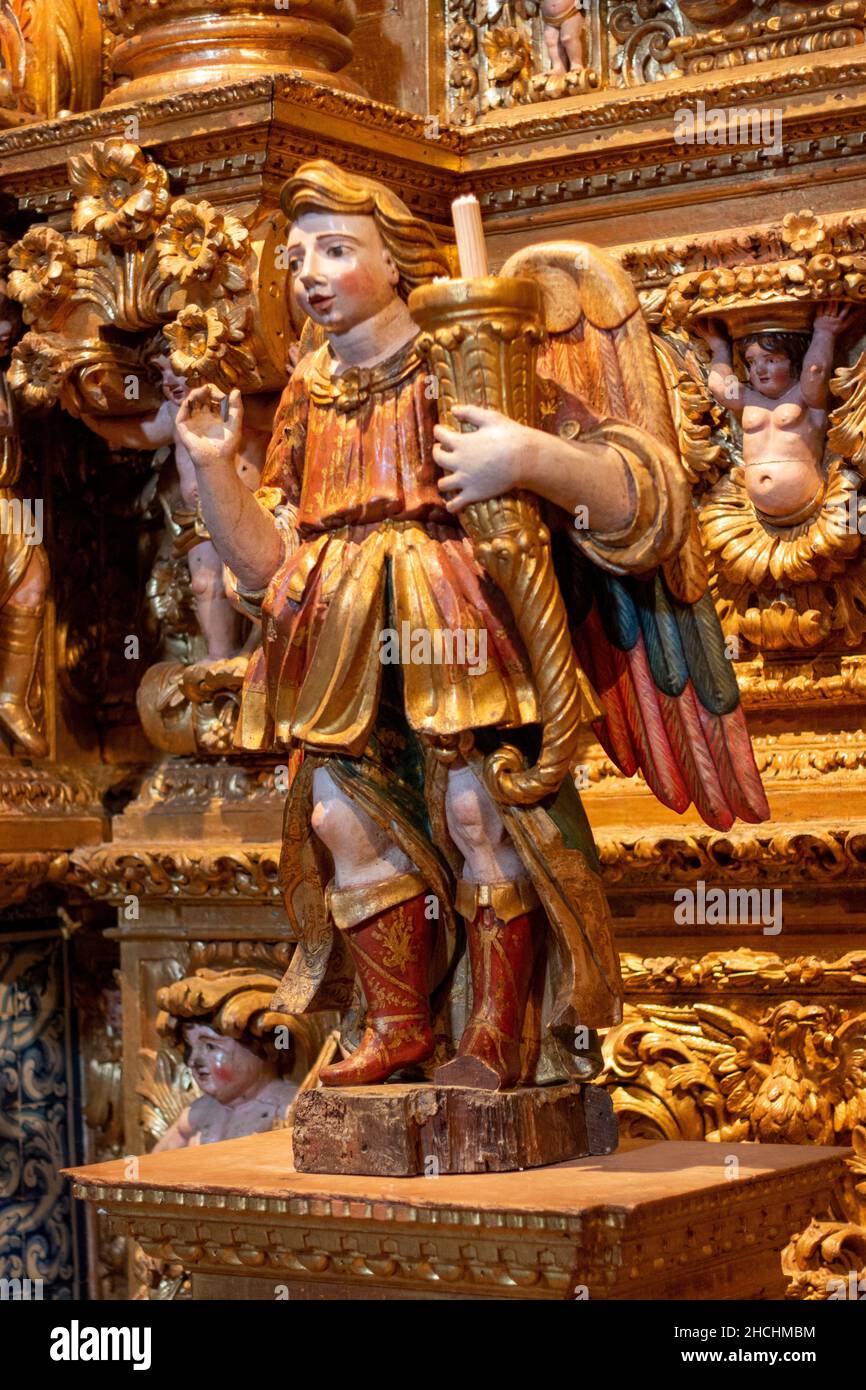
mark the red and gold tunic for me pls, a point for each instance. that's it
(370, 554)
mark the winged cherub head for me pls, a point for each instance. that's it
(353, 246)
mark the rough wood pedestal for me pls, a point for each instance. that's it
(404, 1131)
(668, 1220)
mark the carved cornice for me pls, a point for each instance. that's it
(800, 854)
(754, 855)
(361, 111)
(742, 971)
(191, 871)
(23, 871)
(49, 790)
(93, 125)
(530, 166)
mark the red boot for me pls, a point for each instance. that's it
(501, 957)
(391, 952)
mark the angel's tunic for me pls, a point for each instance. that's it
(375, 568)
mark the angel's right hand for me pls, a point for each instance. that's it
(712, 331)
(209, 439)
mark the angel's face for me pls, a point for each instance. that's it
(175, 388)
(223, 1067)
(341, 271)
(769, 372)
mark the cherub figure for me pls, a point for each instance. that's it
(783, 409)
(242, 1092)
(218, 620)
(564, 34)
(248, 1073)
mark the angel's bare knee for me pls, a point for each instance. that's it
(361, 850)
(478, 831)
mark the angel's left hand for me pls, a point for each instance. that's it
(835, 316)
(486, 462)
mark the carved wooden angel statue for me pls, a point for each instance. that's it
(354, 540)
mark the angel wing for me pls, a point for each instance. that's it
(651, 644)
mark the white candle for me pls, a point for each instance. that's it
(471, 249)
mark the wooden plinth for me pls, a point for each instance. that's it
(413, 1131)
(694, 1221)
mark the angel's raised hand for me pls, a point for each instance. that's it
(835, 316)
(712, 331)
(209, 438)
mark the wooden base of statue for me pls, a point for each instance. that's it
(401, 1131)
(670, 1220)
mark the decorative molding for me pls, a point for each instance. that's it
(23, 871)
(812, 30)
(51, 789)
(193, 871)
(181, 784)
(742, 971)
(657, 102)
(803, 853)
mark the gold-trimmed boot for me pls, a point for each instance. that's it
(20, 641)
(391, 953)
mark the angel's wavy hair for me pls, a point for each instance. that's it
(321, 186)
(794, 346)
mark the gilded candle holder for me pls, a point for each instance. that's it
(481, 338)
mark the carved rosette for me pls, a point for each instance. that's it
(169, 46)
(142, 262)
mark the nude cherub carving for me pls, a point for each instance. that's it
(783, 409)
(564, 34)
(217, 618)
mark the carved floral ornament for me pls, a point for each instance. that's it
(792, 1074)
(139, 261)
(794, 581)
(827, 1261)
